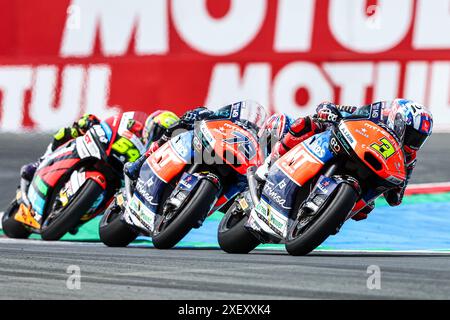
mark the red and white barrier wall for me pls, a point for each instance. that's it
(61, 58)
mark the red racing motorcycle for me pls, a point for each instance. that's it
(76, 182)
(315, 187)
(191, 176)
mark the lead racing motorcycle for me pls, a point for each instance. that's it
(314, 188)
(189, 177)
(76, 182)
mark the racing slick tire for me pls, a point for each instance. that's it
(69, 217)
(189, 215)
(113, 231)
(326, 222)
(233, 237)
(11, 227)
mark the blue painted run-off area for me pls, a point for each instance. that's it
(421, 223)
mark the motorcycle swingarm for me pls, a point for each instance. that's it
(322, 191)
(188, 183)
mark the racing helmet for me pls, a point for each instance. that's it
(411, 122)
(156, 123)
(86, 122)
(274, 128)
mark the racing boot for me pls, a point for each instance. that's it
(263, 170)
(132, 169)
(362, 214)
(26, 175)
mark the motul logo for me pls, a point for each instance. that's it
(354, 26)
(102, 56)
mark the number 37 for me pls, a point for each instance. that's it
(385, 148)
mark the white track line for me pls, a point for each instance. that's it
(51, 243)
(70, 243)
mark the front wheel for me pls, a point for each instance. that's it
(233, 237)
(307, 233)
(11, 227)
(59, 222)
(171, 231)
(113, 231)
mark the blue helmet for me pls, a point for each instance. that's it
(411, 121)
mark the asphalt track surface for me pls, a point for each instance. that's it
(38, 270)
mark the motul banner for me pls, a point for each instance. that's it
(61, 58)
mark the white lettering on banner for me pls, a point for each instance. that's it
(416, 81)
(431, 30)
(226, 35)
(294, 25)
(439, 101)
(148, 17)
(42, 110)
(348, 23)
(298, 75)
(355, 26)
(352, 78)
(13, 83)
(387, 77)
(97, 92)
(228, 86)
(74, 79)
(81, 90)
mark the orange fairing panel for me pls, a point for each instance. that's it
(229, 138)
(366, 137)
(166, 163)
(299, 164)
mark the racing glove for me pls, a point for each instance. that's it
(328, 112)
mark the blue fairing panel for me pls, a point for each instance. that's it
(149, 187)
(279, 191)
(319, 144)
(182, 144)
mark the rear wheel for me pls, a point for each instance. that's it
(233, 237)
(308, 232)
(60, 221)
(113, 231)
(170, 231)
(11, 227)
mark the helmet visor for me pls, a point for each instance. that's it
(414, 139)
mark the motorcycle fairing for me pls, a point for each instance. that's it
(285, 177)
(306, 159)
(228, 193)
(141, 209)
(48, 174)
(62, 160)
(158, 170)
(385, 157)
(167, 162)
